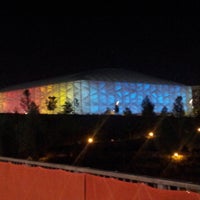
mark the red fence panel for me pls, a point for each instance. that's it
(100, 188)
(36, 183)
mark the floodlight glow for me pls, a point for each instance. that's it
(150, 135)
(90, 140)
(177, 157)
(175, 154)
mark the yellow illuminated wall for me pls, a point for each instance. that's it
(10, 101)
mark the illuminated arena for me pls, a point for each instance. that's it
(95, 91)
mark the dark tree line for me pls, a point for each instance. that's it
(30, 106)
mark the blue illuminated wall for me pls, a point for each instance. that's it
(97, 96)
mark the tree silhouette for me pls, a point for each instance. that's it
(51, 103)
(178, 109)
(76, 104)
(108, 111)
(68, 108)
(27, 104)
(33, 108)
(127, 111)
(164, 111)
(147, 107)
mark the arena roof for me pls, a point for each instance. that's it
(104, 74)
(120, 75)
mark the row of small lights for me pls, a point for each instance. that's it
(176, 156)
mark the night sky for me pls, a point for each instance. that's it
(38, 47)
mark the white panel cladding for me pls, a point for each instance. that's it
(85, 97)
(94, 97)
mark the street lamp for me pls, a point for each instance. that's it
(177, 157)
(150, 135)
(90, 140)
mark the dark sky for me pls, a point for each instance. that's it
(37, 47)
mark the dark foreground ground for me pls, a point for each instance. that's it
(120, 143)
(129, 157)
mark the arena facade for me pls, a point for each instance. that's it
(93, 92)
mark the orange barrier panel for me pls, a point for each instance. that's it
(20, 182)
(99, 188)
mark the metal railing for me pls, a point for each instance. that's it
(154, 182)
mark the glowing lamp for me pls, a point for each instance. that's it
(150, 135)
(90, 140)
(177, 157)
